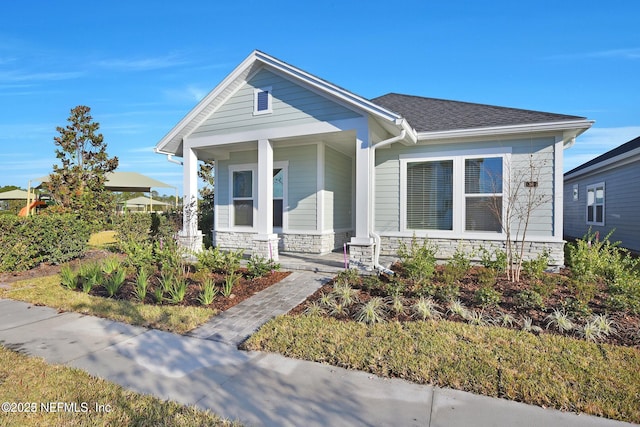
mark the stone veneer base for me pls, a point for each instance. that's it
(302, 243)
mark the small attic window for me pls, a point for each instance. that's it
(262, 101)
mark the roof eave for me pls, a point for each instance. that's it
(577, 126)
(620, 159)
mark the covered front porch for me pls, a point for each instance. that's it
(297, 194)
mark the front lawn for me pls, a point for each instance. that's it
(546, 370)
(29, 381)
(568, 340)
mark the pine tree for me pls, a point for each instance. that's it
(78, 183)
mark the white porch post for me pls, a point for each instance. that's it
(190, 237)
(361, 245)
(265, 243)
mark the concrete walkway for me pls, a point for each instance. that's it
(239, 322)
(257, 388)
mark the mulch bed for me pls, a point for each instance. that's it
(243, 289)
(627, 325)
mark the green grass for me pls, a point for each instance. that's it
(103, 239)
(546, 370)
(28, 379)
(48, 291)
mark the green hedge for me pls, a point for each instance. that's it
(27, 242)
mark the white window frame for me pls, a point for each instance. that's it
(253, 167)
(285, 195)
(594, 188)
(478, 195)
(459, 196)
(258, 91)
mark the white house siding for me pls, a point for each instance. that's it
(622, 204)
(292, 105)
(387, 192)
(337, 194)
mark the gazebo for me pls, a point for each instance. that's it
(125, 181)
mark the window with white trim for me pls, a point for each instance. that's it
(262, 101)
(278, 196)
(483, 194)
(243, 197)
(430, 195)
(453, 194)
(595, 204)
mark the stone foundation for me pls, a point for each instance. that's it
(191, 243)
(313, 243)
(233, 240)
(302, 243)
(447, 247)
(361, 257)
(266, 247)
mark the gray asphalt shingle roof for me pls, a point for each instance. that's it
(627, 146)
(431, 114)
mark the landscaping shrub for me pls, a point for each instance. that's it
(132, 227)
(418, 261)
(259, 266)
(27, 242)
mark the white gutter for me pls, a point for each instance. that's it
(372, 178)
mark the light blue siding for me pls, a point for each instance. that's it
(337, 195)
(292, 105)
(387, 191)
(302, 185)
(222, 199)
(621, 206)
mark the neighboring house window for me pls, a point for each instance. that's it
(483, 194)
(242, 198)
(278, 196)
(430, 195)
(595, 204)
(262, 101)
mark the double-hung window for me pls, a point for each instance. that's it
(454, 195)
(483, 194)
(243, 197)
(430, 195)
(595, 204)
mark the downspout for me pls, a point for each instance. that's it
(172, 160)
(372, 178)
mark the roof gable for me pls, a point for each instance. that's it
(172, 142)
(433, 115)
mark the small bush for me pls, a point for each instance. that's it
(259, 266)
(372, 311)
(487, 276)
(114, 281)
(418, 261)
(529, 299)
(208, 293)
(496, 260)
(68, 278)
(210, 259)
(487, 296)
(534, 268)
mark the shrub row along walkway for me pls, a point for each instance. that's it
(256, 388)
(236, 324)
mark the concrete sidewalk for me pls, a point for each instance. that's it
(257, 388)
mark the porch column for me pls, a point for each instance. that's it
(190, 237)
(265, 243)
(361, 245)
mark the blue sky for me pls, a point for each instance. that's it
(142, 65)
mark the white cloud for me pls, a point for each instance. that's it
(597, 141)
